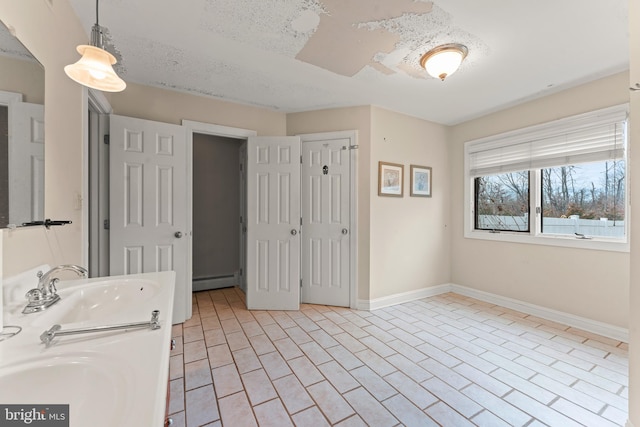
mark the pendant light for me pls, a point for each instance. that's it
(95, 69)
(442, 61)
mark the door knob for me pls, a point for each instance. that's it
(345, 231)
(178, 234)
(294, 232)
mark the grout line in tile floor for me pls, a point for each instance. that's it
(447, 360)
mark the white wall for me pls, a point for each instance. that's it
(587, 283)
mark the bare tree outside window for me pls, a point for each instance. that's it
(582, 199)
(592, 191)
(502, 202)
(585, 200)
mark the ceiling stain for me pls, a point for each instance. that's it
(278, 26)
(357, 45)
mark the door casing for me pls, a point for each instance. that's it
(192, 127)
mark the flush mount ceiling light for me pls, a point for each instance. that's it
(95, 69)
(442, 61)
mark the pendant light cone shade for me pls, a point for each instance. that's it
(442, 61)
(95, 70)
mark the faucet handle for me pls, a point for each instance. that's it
(34, 295)
(40, 274)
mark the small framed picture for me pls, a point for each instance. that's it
(390, 179)
(420, 181)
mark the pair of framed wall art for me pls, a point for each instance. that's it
(391, 180)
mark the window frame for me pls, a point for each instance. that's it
(494, 230)
(535, 234)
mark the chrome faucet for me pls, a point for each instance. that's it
(45, 295)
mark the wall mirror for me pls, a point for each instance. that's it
(21, 133)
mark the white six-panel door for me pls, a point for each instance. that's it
(273, 223)
(148, 201)
(326, 222)
(26, 163)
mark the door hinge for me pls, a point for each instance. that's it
(300, 159)
(105, 139)
(106, 224)
(241, 272)
(300, 282)
(240, 167)
(300, 220)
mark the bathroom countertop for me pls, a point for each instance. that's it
(108, 378)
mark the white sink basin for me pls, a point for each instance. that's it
(110, 302)
(121, 301)
(88, 382)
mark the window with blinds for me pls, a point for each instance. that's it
(570, 173)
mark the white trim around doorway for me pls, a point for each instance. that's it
(192, 127)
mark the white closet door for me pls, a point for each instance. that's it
(273, 223)
(326, 234)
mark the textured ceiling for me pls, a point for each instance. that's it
(299, 55)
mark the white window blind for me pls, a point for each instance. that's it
(595, 136)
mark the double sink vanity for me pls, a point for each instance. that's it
(102, 348)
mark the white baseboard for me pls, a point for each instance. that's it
(589, 325)
(403, 297)
(215, 283)
(594, 326)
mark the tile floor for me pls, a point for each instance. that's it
(446, 360)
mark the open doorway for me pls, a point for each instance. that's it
(198, 130)
(216, 212)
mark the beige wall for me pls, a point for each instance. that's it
(403, 243)
(354, 118)
(587, 283)
(26, 248)
(22, 76)
(168, 106)
(410, 235)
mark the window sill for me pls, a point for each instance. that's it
(598, 244)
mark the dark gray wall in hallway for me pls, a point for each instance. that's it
(216, 206)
